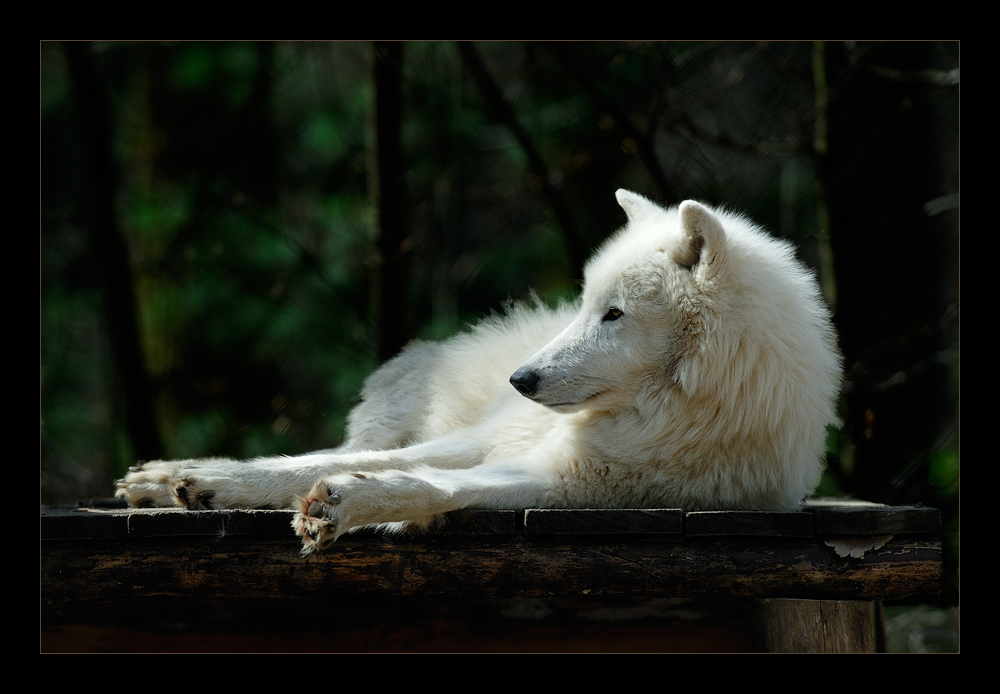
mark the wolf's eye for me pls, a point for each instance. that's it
(614, 313)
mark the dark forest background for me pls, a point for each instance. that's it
(234, 234)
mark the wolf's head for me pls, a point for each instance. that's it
(686, 299)
(641, 291)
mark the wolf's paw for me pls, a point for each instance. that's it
(325, 513)
(163, 483)
(318, 521)
(149, 484)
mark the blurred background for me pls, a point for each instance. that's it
(234, 234)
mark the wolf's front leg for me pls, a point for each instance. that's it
(270, 482)
(342, 502)
(222, 483)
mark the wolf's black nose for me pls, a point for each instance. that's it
(526, 381)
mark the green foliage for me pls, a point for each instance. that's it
(943, 472)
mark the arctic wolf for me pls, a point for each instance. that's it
(698, 370)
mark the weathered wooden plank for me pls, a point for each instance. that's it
(603, 521)
(818, 517)
(240, 566)
(882, 520)
(749, 523)
(104, 523)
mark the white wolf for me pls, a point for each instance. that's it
(698, 370)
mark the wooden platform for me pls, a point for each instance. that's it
(815, 576)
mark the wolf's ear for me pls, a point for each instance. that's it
(702, 238)
(636, 207)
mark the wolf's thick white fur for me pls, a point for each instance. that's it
(698, 370)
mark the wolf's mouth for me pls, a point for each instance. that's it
(573, 403)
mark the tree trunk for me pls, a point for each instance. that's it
(391, 266)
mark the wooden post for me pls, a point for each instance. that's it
(815, 626)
